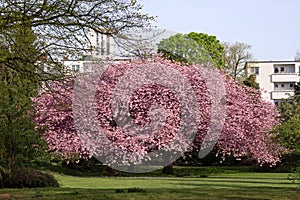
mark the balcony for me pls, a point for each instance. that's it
(285, 77)
(282, 94)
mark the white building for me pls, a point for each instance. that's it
(88, 66)
(102, 50)
(79, 66)
(102, 46)
(276, 79)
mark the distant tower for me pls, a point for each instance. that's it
(102, 45)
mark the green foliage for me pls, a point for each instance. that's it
(297, 90)
(192, 48)
(20, 141)
(288, 163)
(181, 48)
(19, 53)
(251, 81)
(288, 133)
(211, 45)
(290, 107)
(29, 178)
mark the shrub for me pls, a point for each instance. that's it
(29, 178)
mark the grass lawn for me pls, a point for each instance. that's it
(237, 186)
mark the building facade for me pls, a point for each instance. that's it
(102, 46)
(276, 79)
(102, 51)
(78, 66)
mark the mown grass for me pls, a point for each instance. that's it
(226, 185)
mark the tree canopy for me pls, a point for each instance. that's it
(235, 57)
(20, 141)
(192, 48)
(287, 132)
(245, 131)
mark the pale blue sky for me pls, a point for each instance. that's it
(271, 27)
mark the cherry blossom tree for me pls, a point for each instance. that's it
(140, 117)
(54, 115)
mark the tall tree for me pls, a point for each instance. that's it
(192, 48)
(212, 46)
(235, 56)
(289, 115)
(20, 141)
(287, 131)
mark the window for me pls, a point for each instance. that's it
(254, 70)
(75, 68)
(281, 69)
(282, 85)
(291, 85)
(276, 85)
(276, 70)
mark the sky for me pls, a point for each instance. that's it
(271, 27)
